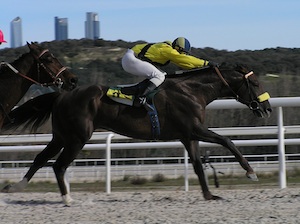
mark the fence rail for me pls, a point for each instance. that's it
(108, 137)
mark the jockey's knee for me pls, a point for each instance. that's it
(158, 79)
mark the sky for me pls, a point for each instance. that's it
(220, 24)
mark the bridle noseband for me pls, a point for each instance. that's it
(253, 104)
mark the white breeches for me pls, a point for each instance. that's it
(135, 66)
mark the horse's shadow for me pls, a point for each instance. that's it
(32, 202)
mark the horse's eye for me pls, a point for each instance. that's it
(47, 58)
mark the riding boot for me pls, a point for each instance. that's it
(141, 99)
(135, 89)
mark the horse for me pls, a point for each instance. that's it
(39, 67)
(180, 103)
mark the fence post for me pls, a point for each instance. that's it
(108, 163)
(281, 149)
(186, 170)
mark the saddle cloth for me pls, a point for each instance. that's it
(116, 95)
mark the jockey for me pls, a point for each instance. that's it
(2, 38)
(143, 59)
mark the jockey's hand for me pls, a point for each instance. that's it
(213, 64)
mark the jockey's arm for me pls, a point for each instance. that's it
(186, 61)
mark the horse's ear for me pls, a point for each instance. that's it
(29, 45)
(242, 68)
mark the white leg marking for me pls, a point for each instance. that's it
(67, 200)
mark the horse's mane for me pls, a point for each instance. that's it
(187, 72)
(21, 57)
(3, 68)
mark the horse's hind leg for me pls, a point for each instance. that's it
(60, 166)
(194, 152)
(40, 160)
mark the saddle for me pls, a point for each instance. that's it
(116, 94)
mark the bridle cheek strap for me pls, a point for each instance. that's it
(263, 97)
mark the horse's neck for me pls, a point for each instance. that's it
(12, 86)
(24, 64)
(206, 86)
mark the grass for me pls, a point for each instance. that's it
(137, 183)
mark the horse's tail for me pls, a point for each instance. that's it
(31, 114)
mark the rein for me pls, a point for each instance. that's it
(19, 73)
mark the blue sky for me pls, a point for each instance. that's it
(221, 24)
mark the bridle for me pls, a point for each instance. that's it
(57, 81)
(254, 102)
(56, 77)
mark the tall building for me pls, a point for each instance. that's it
(16, 32)
(92, 26)
(61, 28)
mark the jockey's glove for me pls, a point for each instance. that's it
(213, 64)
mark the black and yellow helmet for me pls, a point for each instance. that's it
(181, 44)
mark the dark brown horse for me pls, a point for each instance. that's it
(180, 102)
(39, 67)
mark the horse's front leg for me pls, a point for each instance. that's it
(60, 166)
(194, 152)
(40, 160)
(210, 136)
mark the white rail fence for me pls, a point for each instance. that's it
(280, 130)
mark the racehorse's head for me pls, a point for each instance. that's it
(55, 73)
(251, 93)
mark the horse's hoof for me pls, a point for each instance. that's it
(6, 189)
(252, 176)
(212, 197)
(67, 200)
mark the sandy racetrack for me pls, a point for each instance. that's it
(238, 206)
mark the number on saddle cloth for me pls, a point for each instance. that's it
(116, 95)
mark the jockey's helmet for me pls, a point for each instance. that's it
(181, 44)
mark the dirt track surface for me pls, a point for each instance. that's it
(238, 206)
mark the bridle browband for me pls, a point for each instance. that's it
(253, 104)
(57, 81)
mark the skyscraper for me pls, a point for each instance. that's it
(16, 32)
(61, 28)
(92, 26)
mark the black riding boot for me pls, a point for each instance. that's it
(136, 89)
(141, 99)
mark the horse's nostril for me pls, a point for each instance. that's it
(74, 80)
(269, 109)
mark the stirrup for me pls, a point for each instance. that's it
(139, 101)
(143, 101)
